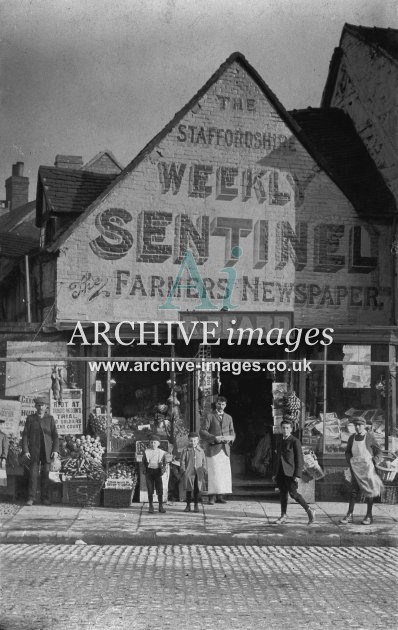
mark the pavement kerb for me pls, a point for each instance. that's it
(262, 539)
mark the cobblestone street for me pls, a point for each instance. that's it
(57, 587)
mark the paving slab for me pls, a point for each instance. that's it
(234, 523)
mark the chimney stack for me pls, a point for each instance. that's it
(69, 161)
(17, 187)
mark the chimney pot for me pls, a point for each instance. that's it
(68, 161)
(17, 187)
(17, 169)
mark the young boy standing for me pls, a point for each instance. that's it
(154, 462)
(193, 468)
(288, 466)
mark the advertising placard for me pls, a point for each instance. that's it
(68, 412)
(10, 413)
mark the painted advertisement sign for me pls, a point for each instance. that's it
(264, 228)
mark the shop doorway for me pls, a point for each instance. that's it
(249, 398)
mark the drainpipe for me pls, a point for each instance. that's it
(391, 409)
(27, 290)
(394, 254)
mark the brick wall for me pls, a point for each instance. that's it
(229, 174)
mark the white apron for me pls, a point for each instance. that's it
(363, 468)
(219, 474)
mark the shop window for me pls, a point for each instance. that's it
(358, 384)
(312, 435)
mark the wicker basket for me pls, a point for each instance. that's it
(390, 495)
(118, 498)
(386, 474)
(82, 491)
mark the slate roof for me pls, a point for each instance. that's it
(333, 134)
(14, 246)
(21, 221)
(68, 191)
(383, 38)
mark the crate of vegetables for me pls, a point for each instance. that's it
(82, 470)
(120, 485)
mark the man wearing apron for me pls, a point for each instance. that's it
(218, 432)
(361, 452)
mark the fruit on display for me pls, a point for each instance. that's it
(83, 446)
(82, 456)
(82, 467)
(121, 475)
(122, 471)
(97, 425)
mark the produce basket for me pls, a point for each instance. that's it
(82, 491)
(118, 497)
(388, 468)
(120, 485)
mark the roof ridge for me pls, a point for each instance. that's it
(78, 172)
(388, 48)
(98, 156)
(375, 28)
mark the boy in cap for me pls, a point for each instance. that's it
(39, 445)
(288, 466)
(361, 453)
(154, 462)
(193, 468)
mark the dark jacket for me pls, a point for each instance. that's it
(31, 436)
(212, 427)
(288, 456)
(371, 444)
(193, 462)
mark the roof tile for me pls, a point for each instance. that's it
(333, 134)
(71, 191)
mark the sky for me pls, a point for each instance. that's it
(81, 76)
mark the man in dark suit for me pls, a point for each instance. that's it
(40, 444)
(288, 466)
(218, 432)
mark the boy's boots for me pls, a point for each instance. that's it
(161, 508)
(151, 509)
(195, 508)
(188, 507)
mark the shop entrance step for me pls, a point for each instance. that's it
(246, 487)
